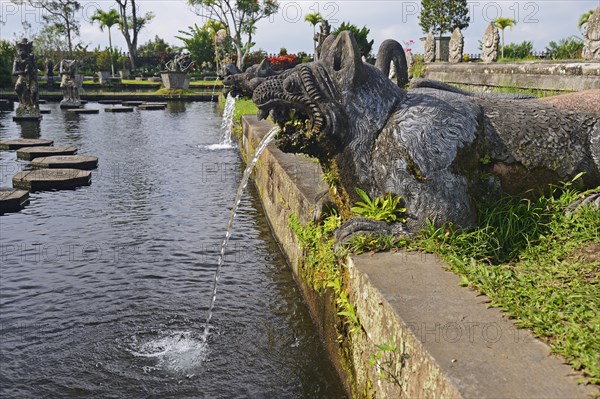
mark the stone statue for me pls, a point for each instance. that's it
(182, 62)
(324, 31)
(489, 44)
(49, 70)
(410, 60)
(591, 48)
(67, 69)
(429, 53)
(426, 145)
(457, 42)
(26, 86)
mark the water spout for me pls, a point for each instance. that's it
(238, 198)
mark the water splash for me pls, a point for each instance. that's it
(238, 198)
(178, 352)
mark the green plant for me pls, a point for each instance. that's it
(360, 243)
(321, 264)
(565, 49)
(536, 262)
(513, 51)
(390, 361)
(503, 23)
(417, 69)
(199, 43)
(385, 208)
(7, 53)
(361, 36)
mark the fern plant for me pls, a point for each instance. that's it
(385, 208)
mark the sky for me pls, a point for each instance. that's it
(537, 21)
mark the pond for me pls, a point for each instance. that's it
(104, 289)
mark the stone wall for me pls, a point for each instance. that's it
(559, 76)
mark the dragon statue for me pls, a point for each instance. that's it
(437, 147)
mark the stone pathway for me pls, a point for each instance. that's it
(86, 162)
(12, 200)
(29, 153)
(52, 179)
(21, 143)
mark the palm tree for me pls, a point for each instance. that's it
(583, 20)
(503, 23)
(314, 19)
(107, 19)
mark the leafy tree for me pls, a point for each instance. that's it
(199, 43)
(107, 19)
(239, 17)
(156, 52)
(50, 43)
(517, 50)
(503, 23)
(361, 36)
(7, 54)
(60, 15)
(314, 19)
(566, 49)
(583, 19)
(440, 16)
(132, 22)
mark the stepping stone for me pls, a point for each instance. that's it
(86, 162)
(20, 143)
(29, 153)
(133, 103)
(119, 109)
(12, 200)
(83, 102)
(152, 107)
(26, 118)
(70, 106)
(154, 103)
(45, 111)
(83, 110)
(41, 101)
(110, 101)
(52, 179)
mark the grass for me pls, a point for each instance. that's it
(243, 106)
(538, 264)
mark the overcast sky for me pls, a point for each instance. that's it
(538, 21)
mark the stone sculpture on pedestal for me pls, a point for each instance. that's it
(489, 44)
(429, 54)
(67, 70)
(457, 42)
(26, 86)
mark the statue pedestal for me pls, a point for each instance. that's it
(70, 104)
(27, 118)
(175, 80)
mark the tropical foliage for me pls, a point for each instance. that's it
(440, 16)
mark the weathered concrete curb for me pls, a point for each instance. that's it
(561, 76)
(449, 343)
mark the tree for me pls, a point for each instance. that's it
(239, 18)
(361, 36)
(199, 43)
(566, 49)
(583, 19)
(503, 23)
(440, 16)
(131, 23)
(155, 53)
(107, 19)
(7, 53)
(50, 43)
(61, 15)
(314, 19)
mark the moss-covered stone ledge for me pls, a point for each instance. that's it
(540, 75)
(421, 334)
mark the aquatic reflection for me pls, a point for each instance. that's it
(29, 129)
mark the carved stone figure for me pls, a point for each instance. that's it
(457, 43)
(26, 86)
(391, 53)
(182, 62)
(324, 32)
(427, 145)
(591, 48)
(68, 84)
(489, 44)
(429, 53)
(49, 71)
